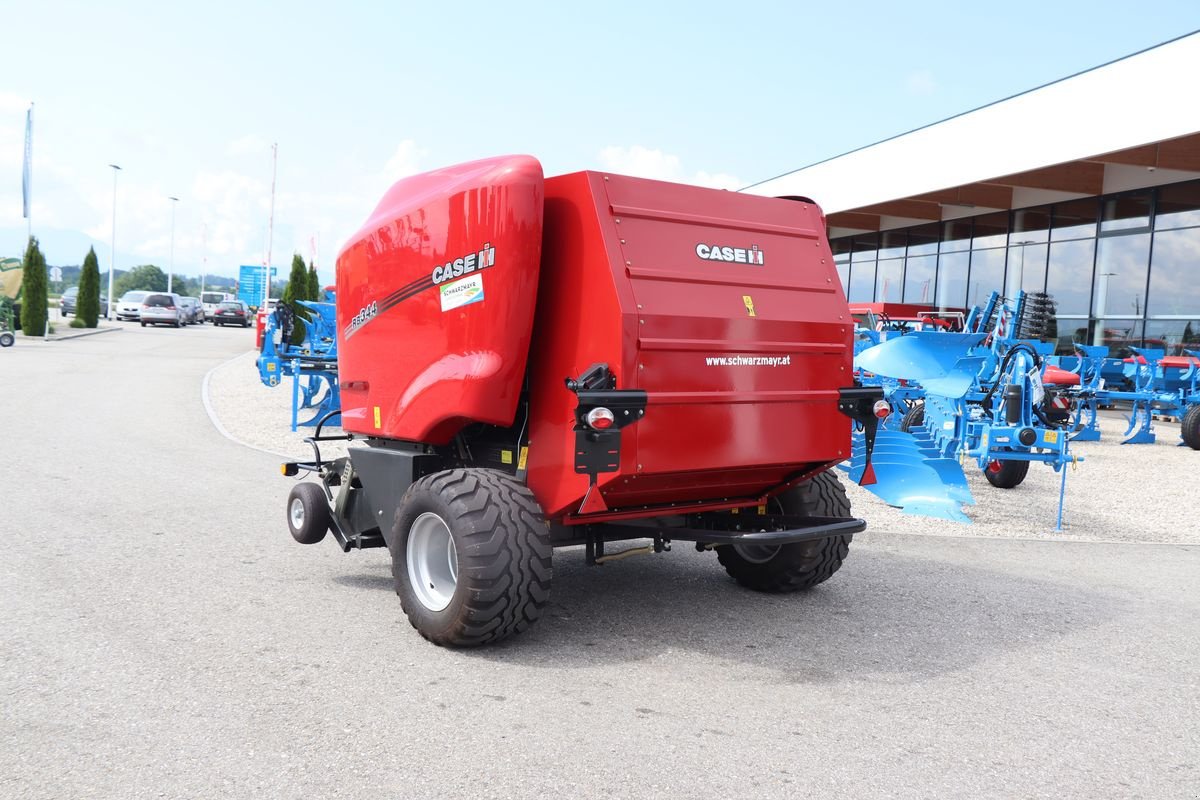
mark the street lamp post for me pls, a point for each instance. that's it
(112, 253)
(171, 267)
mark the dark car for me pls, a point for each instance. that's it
(70, 298)
(232, 312)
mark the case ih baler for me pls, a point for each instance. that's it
(534, 363)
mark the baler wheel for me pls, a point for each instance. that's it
(1189, 427)
(802, 565)
(307, 513)
(470, 557)
(1006, 474)
(913, 418)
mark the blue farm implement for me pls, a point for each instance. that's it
(312, 364)
(1152, 384)
(972, 396)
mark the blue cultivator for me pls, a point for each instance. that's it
(1152, 384)
(312, 364)
(983, 401)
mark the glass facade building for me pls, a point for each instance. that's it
(1124, 269)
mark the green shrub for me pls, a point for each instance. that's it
(34, 312)
(79, 323)
(87, 304)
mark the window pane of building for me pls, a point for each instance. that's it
(919, 273)
(1071, 330)
(1175, 335)
(1031, 224)
(1126, 211)
(889, 280)
(1121, 275)
(1026, 267)
(987, 275)
(923, 239)
(1075, 220)
(892, 244)
(862, 277)
(991, 230)
(952, 280)
(839, 246)
(1178, 206)
(843, 271)
(1069, 276)
(956, 235)
(1118, 334)
(1175, 273)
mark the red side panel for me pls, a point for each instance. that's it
(435, 299)
(726, 308)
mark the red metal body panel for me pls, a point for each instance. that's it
(435, 299)
(724, 307)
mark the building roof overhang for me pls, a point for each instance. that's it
(1125, 125)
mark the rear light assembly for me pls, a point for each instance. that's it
(881, 409)
(600, 419)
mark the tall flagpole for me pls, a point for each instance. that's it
(270, 227)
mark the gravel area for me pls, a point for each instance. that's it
(260, 416)
(1126, 493)
(1123, 493)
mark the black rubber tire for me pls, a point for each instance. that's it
(143, 324)
(316, 513)
(913, 417)
(503, 549)
(1010, 474)
(1189, 427)
(178, 324)
(7, 339)
(801, 565)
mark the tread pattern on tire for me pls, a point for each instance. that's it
(1189, 427)
(914, 417)
(802, 565)
(504, 555)
(1011, 474)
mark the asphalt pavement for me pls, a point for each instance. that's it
(161, 635)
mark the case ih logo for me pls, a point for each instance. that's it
(736, 255)
(464, 266)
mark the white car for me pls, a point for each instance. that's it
(130, 305)
(213, 299)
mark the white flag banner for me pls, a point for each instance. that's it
(27, 172)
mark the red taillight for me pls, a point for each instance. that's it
(600, 419)
(882, 409)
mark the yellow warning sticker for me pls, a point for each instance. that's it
(506, 456)
(749, 301)
(762, 509)
(270, 366)
(1051, 437)
(524, 457)
(378, 424)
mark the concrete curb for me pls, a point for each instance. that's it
(58, 338)
(206, 398)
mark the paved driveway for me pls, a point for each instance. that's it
(162, 636)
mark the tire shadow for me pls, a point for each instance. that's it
(903, 615)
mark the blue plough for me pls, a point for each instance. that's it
(312, 364)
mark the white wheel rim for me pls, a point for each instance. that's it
(757, 553)
(296, 514)
(432, 561)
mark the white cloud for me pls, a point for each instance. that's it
(247, 145)
(644, 162)
(404, 162)
(920, 82)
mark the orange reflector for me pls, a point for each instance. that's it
(882, 409)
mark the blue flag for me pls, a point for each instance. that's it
(27, 172)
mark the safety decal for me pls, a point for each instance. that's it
(461, 292)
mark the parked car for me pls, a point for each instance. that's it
(211, 300)
(130, 305)
(70, 299)
(162, 308)
(232, 312)
(194, 310)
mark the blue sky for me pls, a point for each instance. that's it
(188, 98)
